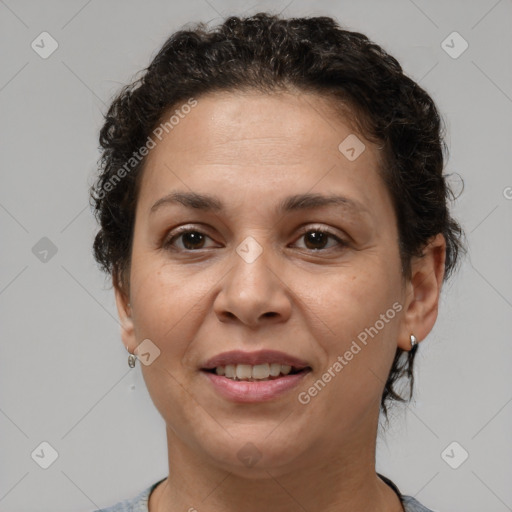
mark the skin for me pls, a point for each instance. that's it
(200, 299)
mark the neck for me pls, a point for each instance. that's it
(335, 483)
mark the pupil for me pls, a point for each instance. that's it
(315, 237)
(192, 239)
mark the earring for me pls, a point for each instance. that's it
(414, 341)
(131, 361)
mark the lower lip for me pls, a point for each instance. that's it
(253, 392)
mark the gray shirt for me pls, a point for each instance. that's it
(140, 502)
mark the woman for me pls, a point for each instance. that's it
(274, 218)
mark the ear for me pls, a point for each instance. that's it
(423, 292)
(124, 311)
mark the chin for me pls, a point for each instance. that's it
(255, 455)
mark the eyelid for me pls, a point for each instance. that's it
(305, 228)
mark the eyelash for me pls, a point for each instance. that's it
(304, 231)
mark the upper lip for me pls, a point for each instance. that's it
(252, 358)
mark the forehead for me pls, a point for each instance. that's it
(264, 141)
(241, 121)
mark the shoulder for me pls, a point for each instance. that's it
(137, 504)
(411, 505)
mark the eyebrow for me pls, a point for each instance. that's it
(207, 202)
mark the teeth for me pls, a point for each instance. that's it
(243, 371)
(261, 371)
(256, 372)
(275, 369)
(230, 371)
(285, 369)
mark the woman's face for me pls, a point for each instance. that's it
(262, 268)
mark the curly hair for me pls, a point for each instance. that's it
(267, 53)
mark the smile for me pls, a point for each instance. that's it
(256, 372)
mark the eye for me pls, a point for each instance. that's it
(191, 239)
(316, 239)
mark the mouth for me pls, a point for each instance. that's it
(259, 365)
(256, 373)
(254, 376)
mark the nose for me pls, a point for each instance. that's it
(252, 292)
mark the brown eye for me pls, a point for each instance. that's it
(191, 239)
(316, 239)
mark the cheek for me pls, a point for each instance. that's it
(169, 312)
(171, 306)
(349, 300)
(357, 334)
(359, 313)
(161, 302)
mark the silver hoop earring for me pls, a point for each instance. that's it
(131, 361)
(414, 340)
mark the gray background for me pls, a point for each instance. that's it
(64, 378)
